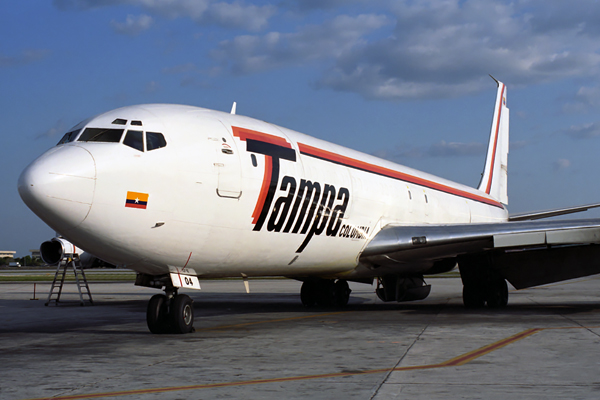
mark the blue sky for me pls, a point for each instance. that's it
(405, 80)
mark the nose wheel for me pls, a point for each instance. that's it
(170, 313)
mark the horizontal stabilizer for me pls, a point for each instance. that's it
(550, 213)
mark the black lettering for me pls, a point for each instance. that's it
(323, 212)
(299, 196)
(308, 199)
(282, 205)
(271, 193)
(338, 212)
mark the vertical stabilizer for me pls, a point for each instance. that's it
(494, 180)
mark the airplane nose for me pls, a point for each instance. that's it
(59, 186)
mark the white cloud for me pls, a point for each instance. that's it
(236, 14)
(442, 49)
(437, 48)
(250, 17)
(247, 54)
(585, 131)
(585, 99)
(26, 57)
(59, 128)
(454, 149)
(133, 25)
(561, 164)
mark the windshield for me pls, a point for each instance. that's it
(101, 135)
(69, 137)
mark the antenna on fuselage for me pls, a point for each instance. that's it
(233, 107)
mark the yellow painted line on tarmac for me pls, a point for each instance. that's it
(468, 357)
(453, 362)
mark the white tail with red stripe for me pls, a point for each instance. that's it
(495, 174)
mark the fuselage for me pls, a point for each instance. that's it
(228, 195)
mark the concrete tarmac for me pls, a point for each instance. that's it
(265, 345)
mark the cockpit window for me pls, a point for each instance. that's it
(101, 135)
(155, 140)
(69, 137)
(120, 121)
(134, 139)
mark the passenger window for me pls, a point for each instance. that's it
(155, 140)
(101, 135)
(134, 139)
(69, 137)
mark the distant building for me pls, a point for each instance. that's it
(35, 253)
(9, 254)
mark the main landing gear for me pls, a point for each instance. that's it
(325, 293)
(494, 293)
(170, 313)
(482, 284)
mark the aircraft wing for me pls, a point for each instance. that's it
(526, 253)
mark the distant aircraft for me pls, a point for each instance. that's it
(181, 193)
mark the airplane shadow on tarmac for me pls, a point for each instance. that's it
(128, 316)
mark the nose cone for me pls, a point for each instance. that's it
(59, 186)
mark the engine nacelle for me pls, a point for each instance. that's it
(393, 287)
(53, 250)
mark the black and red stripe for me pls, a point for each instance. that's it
(390, 173)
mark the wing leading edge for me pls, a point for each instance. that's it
(527, 253)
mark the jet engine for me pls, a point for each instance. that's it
(398, 288)
(55, 249)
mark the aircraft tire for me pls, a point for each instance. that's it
(497, 295)
(342, 293)
(472, 296)
(326, 293)
(157, 314)
(182, 314)
(308, 293)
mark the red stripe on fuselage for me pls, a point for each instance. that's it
(489, 185)
(390, 173)
(244, 134)
(263, 190)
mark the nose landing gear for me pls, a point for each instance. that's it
(170, 313)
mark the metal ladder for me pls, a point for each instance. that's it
(80, 280)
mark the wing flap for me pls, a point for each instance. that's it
(525, 269)
(519, 239)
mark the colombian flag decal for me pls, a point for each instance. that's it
(137, 200)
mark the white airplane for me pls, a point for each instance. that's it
(181, 193)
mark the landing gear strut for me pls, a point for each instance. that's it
(170, 313)
(325, 293)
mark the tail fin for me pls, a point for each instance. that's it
(494, 179)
